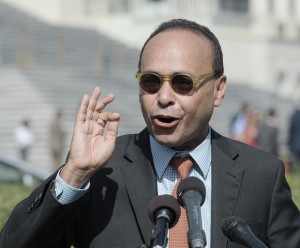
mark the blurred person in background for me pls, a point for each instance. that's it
(24, 139)
(239, 122)
(57, 136)
(294, 139)
(268, 133)
(251, 129)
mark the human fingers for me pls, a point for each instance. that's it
(92, 103)
(81, 113)
(101, 104)
(104, 101)
(104, 117)
(112, 127)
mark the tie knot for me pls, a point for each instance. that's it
(182, 165)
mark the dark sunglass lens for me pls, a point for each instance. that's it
(182, 84)
(150, 83)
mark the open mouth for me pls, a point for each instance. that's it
(166, 119)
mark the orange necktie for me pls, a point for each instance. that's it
(178, 234)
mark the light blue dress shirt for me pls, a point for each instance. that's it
(166, 177)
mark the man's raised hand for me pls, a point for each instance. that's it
(94, 136)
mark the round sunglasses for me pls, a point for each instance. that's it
(151, 82)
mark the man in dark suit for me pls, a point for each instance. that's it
(267, 135)
(100, 197)
(294, 138)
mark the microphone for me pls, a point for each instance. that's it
(237, 230)
(164, 212)
(191, 195)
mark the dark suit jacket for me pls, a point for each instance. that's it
(267, 138)
(294, 133)
(246, 182)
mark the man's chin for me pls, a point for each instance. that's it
(168, 140)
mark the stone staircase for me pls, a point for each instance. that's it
(46, 67)
(37, 94)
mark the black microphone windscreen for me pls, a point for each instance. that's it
(229, 224)
(191, 183)
(164, 202)
(237, 230)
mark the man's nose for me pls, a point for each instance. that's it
(166, 94)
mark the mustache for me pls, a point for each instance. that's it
(170, 113)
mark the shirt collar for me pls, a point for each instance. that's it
(162, 155)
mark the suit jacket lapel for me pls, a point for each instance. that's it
(226, 179)
(140, 181)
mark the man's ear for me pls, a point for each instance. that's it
(219, 91)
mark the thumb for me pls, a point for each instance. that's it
(112, 127)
